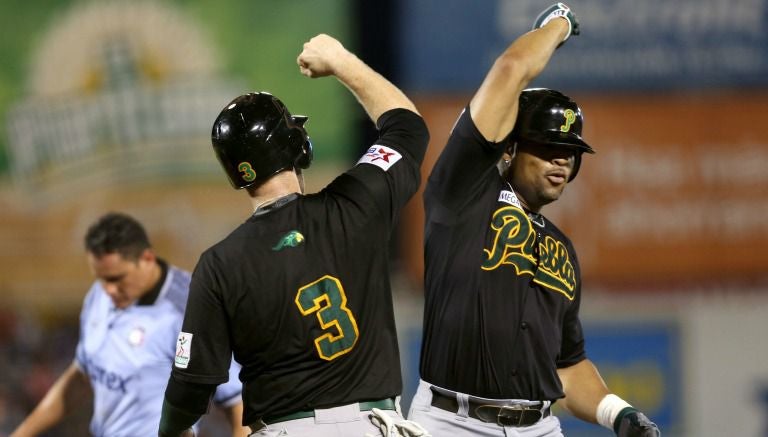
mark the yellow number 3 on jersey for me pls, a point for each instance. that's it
(326, 298)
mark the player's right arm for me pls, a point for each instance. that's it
(478, 139)
(402, 130)
(495, 104)
(59, 401)
(325, 56)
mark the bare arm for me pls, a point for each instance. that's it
(234, 416)
(494, 106)
(325, 56)
(584, 389)
(64, 395)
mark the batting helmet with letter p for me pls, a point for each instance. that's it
(549, 117)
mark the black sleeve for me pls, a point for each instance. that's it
(464, 165)
(183, 405)
(405, 131)
(402, 142)
(207, 326)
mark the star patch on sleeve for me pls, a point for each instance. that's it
(381, 156)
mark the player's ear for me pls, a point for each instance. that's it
(512, 150)
(148, 255)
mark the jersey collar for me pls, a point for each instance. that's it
(150, 297)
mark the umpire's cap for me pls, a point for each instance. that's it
(255, 137)
(550, 117)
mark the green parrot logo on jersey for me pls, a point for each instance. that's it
(291, 239)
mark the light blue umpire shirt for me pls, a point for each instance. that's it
(128, 353)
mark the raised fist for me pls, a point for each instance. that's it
(555, 11)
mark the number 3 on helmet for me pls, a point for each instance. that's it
(255, 137)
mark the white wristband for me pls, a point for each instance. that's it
(609, 408)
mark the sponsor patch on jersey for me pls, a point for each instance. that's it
(291, 239)
(183, 349)
(381, 156)
(509, 197)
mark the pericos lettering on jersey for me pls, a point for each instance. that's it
(514, 243)
(381, 156)
(183, 350)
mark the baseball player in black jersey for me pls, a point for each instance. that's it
(502, 337)
(300, 291)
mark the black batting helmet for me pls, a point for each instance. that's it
(550, 117)
(255, 137)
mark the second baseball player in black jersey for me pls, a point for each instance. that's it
(502, 338)
(520, 320)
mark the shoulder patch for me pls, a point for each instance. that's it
(381, 156)
(183, 350)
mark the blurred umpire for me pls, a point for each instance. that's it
(300, 290)
(502, 336)
(128, 328)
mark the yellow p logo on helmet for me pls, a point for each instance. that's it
(570, 117)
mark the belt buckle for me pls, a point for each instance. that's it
(507, 413)
(513, 415)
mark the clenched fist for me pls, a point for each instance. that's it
(321, 56)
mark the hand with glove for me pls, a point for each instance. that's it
(625, 420)
(558, 10)
(396, 427)
(632, 423)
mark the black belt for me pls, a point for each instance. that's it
(502, 415)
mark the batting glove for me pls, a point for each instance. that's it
(390, 428)
(410, 428)
(632, 423)
(555, 11)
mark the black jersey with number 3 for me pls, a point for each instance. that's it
(502, 289)
(300, 293)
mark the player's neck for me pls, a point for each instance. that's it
(279, 185)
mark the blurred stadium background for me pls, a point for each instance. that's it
(107, 105)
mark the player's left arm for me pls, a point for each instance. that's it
(584, 389)
(183, 405)
(229, 400)
(588, 398)
(234, 415)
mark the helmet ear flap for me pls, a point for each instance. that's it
(305, 157)
(576, 166)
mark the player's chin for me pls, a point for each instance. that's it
(552, 193)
